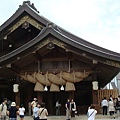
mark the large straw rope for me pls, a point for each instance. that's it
(30, 78)
(70, 77)
(69, 86)
(33, 75)
(42, 79)
(39, 87)
(83, 74)
(24, 77)
(56, 79)
(54, 88)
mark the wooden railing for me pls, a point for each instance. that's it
(100, 94)
(107, 93)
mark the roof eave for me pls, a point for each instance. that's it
(62, 38)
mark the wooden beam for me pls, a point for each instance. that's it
(56, 59)
(94, 57)
(82, 59)
(56, 70)
(13, 68)
(37, 56)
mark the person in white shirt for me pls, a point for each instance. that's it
(57, 106)
(21, 112)
(104, 105)
(111, 108)
(91, 112)
(33, 104)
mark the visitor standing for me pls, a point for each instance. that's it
(91, 112)
(43, 113)
(118, 106)
(3, 109)
(67, 106)
(13, 111)
(119, 98)
(111, 98)
(33, 104)
(111, 108)
(72, 108)
(57, 106)
(104, 105)
(21, 112)
(35, 112)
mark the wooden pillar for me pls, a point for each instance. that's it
(71, 95)
(95, 100)
(39, 97)
(95, 96)
(49, 102)
(17, 95)
(17, 98)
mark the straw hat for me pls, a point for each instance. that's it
(13, 104)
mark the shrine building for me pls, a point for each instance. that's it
(41, 59)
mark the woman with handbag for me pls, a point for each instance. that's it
(91, 112)
(72, 108)
(43, 113)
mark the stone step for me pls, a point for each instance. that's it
(80, 117)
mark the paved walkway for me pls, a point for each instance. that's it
(81, 117)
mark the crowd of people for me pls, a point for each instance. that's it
(39, 110)
(11, 110)
(111, 106)
(70, 109)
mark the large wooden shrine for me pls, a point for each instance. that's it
(50, 63)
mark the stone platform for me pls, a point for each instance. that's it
(80, 117)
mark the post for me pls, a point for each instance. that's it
(39, 96)
(71, 95)
(17, 98)
(16, 89)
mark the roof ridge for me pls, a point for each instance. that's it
(27, 2)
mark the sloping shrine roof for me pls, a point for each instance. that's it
(32, 11)
(50, 29)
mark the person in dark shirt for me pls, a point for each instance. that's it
(67, 106)
(13, 111)
(72, 108)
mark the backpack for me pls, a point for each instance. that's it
(2, 106)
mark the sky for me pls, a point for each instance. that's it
(96, 21)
